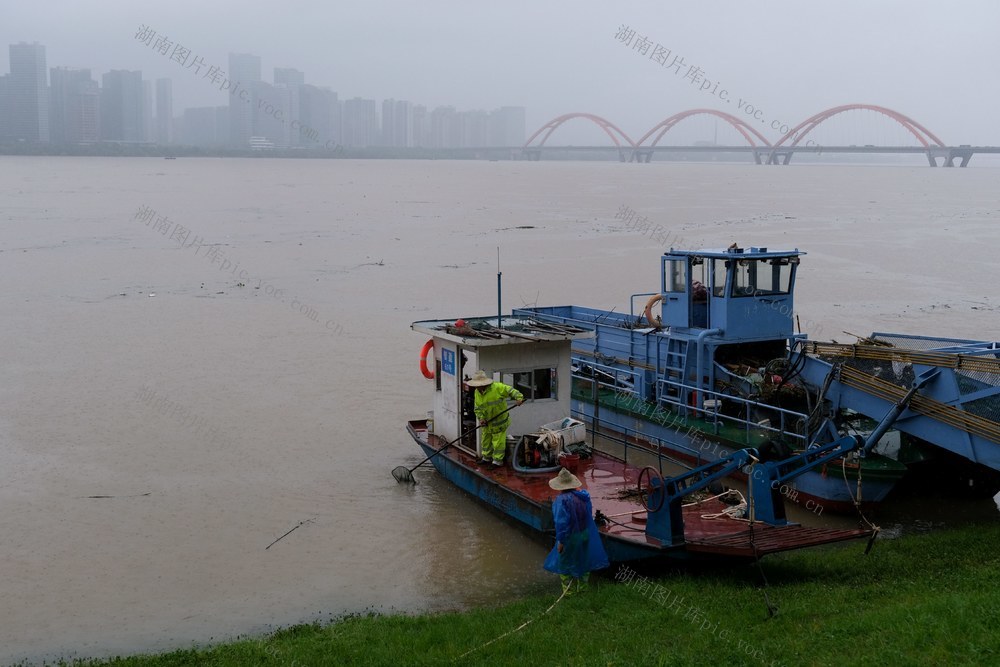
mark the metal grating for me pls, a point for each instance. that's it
(888, 363)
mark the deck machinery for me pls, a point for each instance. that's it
(722, 363)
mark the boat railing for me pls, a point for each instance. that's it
(679, 395)
(631, 304)
(680, 400)
(626, 396)
(630, 439)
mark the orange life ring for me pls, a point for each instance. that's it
(648, 311)
(424, 351)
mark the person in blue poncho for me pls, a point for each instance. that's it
(578, 548)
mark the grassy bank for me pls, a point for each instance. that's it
(930, 599)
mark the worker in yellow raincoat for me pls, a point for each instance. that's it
(490, 408)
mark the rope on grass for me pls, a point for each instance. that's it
(772, 610)
(857, 503)
(517, 629)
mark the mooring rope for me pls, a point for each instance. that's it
(517, 629)
(730, 512)
(771, 609)
(857, 500)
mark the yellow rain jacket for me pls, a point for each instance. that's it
(492, 402)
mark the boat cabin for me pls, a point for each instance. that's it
(533, 357)
(724, 316)
(744, 293)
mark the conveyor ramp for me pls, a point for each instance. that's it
(958, 409)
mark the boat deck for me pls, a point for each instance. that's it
(612, 485)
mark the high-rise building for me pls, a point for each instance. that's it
(397, 123)
(244, 73)
(445, 131)
(507, 126)
(319, 117)
(74, 106)
(421, 128)
(148, 129)
(164, 111)
(27, 94)
(85, 114)
(288, 76)
(272, 114)
(122, 106)
(60, 79)
(291, 81)
(4, 108)
(359, 123)
(337, 124)
(474, 129)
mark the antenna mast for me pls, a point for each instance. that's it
(499, 308)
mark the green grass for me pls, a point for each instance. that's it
(931, 599)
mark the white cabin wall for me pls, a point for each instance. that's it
(447, 413)
(526, 356)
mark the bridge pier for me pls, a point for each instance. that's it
(779, 157)
(933, 154)
(964, 155)
(948, 156)
(642, 156)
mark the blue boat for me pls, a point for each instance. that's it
(710, 375)
(720, 368)
(642, 512)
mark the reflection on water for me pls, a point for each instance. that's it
(167, 410)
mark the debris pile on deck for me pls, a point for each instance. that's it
(486, 328)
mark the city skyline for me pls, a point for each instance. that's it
(200, 94)
(284, 113)
(787, 59)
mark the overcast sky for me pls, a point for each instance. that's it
(937, 62)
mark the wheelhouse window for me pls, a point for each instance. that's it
(719, 269)
(699, 291)
(536, 384)
(675, 279)
(763, 277)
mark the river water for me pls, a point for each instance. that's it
(203, 354)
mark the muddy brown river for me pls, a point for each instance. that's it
(200, 355)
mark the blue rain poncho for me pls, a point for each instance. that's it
(577, 532)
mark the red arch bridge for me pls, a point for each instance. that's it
(795, 140)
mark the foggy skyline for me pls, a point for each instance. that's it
(933, 62)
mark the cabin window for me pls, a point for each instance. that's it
(676, 278)
(536, 384)
(699, 291)
(719, 269)
(762, 277)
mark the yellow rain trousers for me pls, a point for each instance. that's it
(489, 404)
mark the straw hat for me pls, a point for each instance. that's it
(565, 480)
(479, 379)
